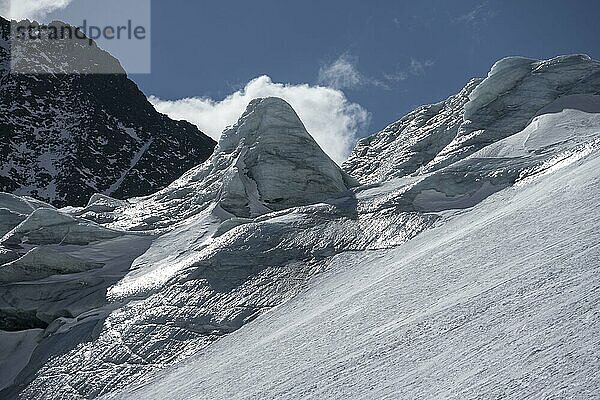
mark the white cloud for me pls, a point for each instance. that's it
(343, 73)
(32, 9)
(414, 68)
(478, 15)
(417, 68)
(397, 76)
(329, 117)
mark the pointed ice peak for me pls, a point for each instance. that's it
(270, 116)
(278, 164)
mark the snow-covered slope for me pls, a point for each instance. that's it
(64, 137)
(499, 302)
(200, 280)
(436, 281)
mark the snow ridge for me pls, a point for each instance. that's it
(484, 112)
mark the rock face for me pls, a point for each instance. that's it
(432, 137)
(64, 137)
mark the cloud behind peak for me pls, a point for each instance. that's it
(329, 117)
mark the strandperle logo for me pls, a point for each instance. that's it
(57, 44)
(32, 31)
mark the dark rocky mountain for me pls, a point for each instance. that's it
(66, 136)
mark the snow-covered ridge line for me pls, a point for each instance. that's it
(485, 111)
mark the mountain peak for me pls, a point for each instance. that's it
(265, 162)
(263, 116)
(63, 54)
(284, 163)
(67, 136)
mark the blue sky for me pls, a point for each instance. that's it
(406, 53)
(348, 67)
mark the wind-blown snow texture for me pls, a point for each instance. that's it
(466, 267)
(64, 137)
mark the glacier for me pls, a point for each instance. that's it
(453, 255)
